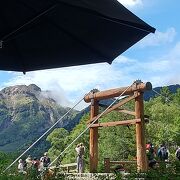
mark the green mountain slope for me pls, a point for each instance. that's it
(25, 114)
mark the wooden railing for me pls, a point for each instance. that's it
(69, 167)
(108, 164)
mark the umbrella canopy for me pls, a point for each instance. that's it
(43, 34)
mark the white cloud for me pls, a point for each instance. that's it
(69, 84)
(72, 83)
(162, 70)
(159, 38)
(130, 2)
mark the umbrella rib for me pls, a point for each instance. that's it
(5, 38)
(27, 23)
(70, 34)
(21, 63)
(115, 20)
(126, 23)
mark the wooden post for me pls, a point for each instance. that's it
(94, 138)
(107, 165)
(67, 169)
(140, 134)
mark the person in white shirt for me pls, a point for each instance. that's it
(80, 149)
(29, 161)
(21, 167)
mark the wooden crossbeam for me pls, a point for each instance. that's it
(126, 111)
(123, 162)
(111, 93)
(115, 107)
(117, 123)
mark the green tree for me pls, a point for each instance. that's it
(58, 139)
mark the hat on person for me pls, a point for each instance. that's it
(42, 159)
(20, 161)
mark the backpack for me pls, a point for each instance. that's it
(46, 161)
(151, 153)
(35, 164)
(159, 153)
(178, 154)
(24, 164)
(164, 153)
(81, 151)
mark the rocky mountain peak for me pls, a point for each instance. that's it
(25, 113)
(20, 89)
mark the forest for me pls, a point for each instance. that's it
(118, 143)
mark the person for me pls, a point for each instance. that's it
(46, 160)
(29, 161)
(151, 155)
(80, 150)
(21, 167)
(41, 167)
(177, 153)
(148, 146)
(163, 153)
(35, 164)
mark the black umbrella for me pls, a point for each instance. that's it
(43, 34)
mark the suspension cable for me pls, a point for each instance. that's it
(88, 126)
(44, 134)
(166, 98)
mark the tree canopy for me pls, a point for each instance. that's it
(118, 142)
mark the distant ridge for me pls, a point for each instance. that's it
(151, 94)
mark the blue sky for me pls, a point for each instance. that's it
(156, 58)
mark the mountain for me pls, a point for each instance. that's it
(26, 113)
(151, 94)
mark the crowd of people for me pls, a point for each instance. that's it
(160, 154)
(41, 165)
(35, 165)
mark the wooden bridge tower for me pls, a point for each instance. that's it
(135, 91)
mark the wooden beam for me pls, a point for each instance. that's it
(124, 101)
(126, 112)
(141, 87)
(123, 162)
(107, 165)
(116, 123)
